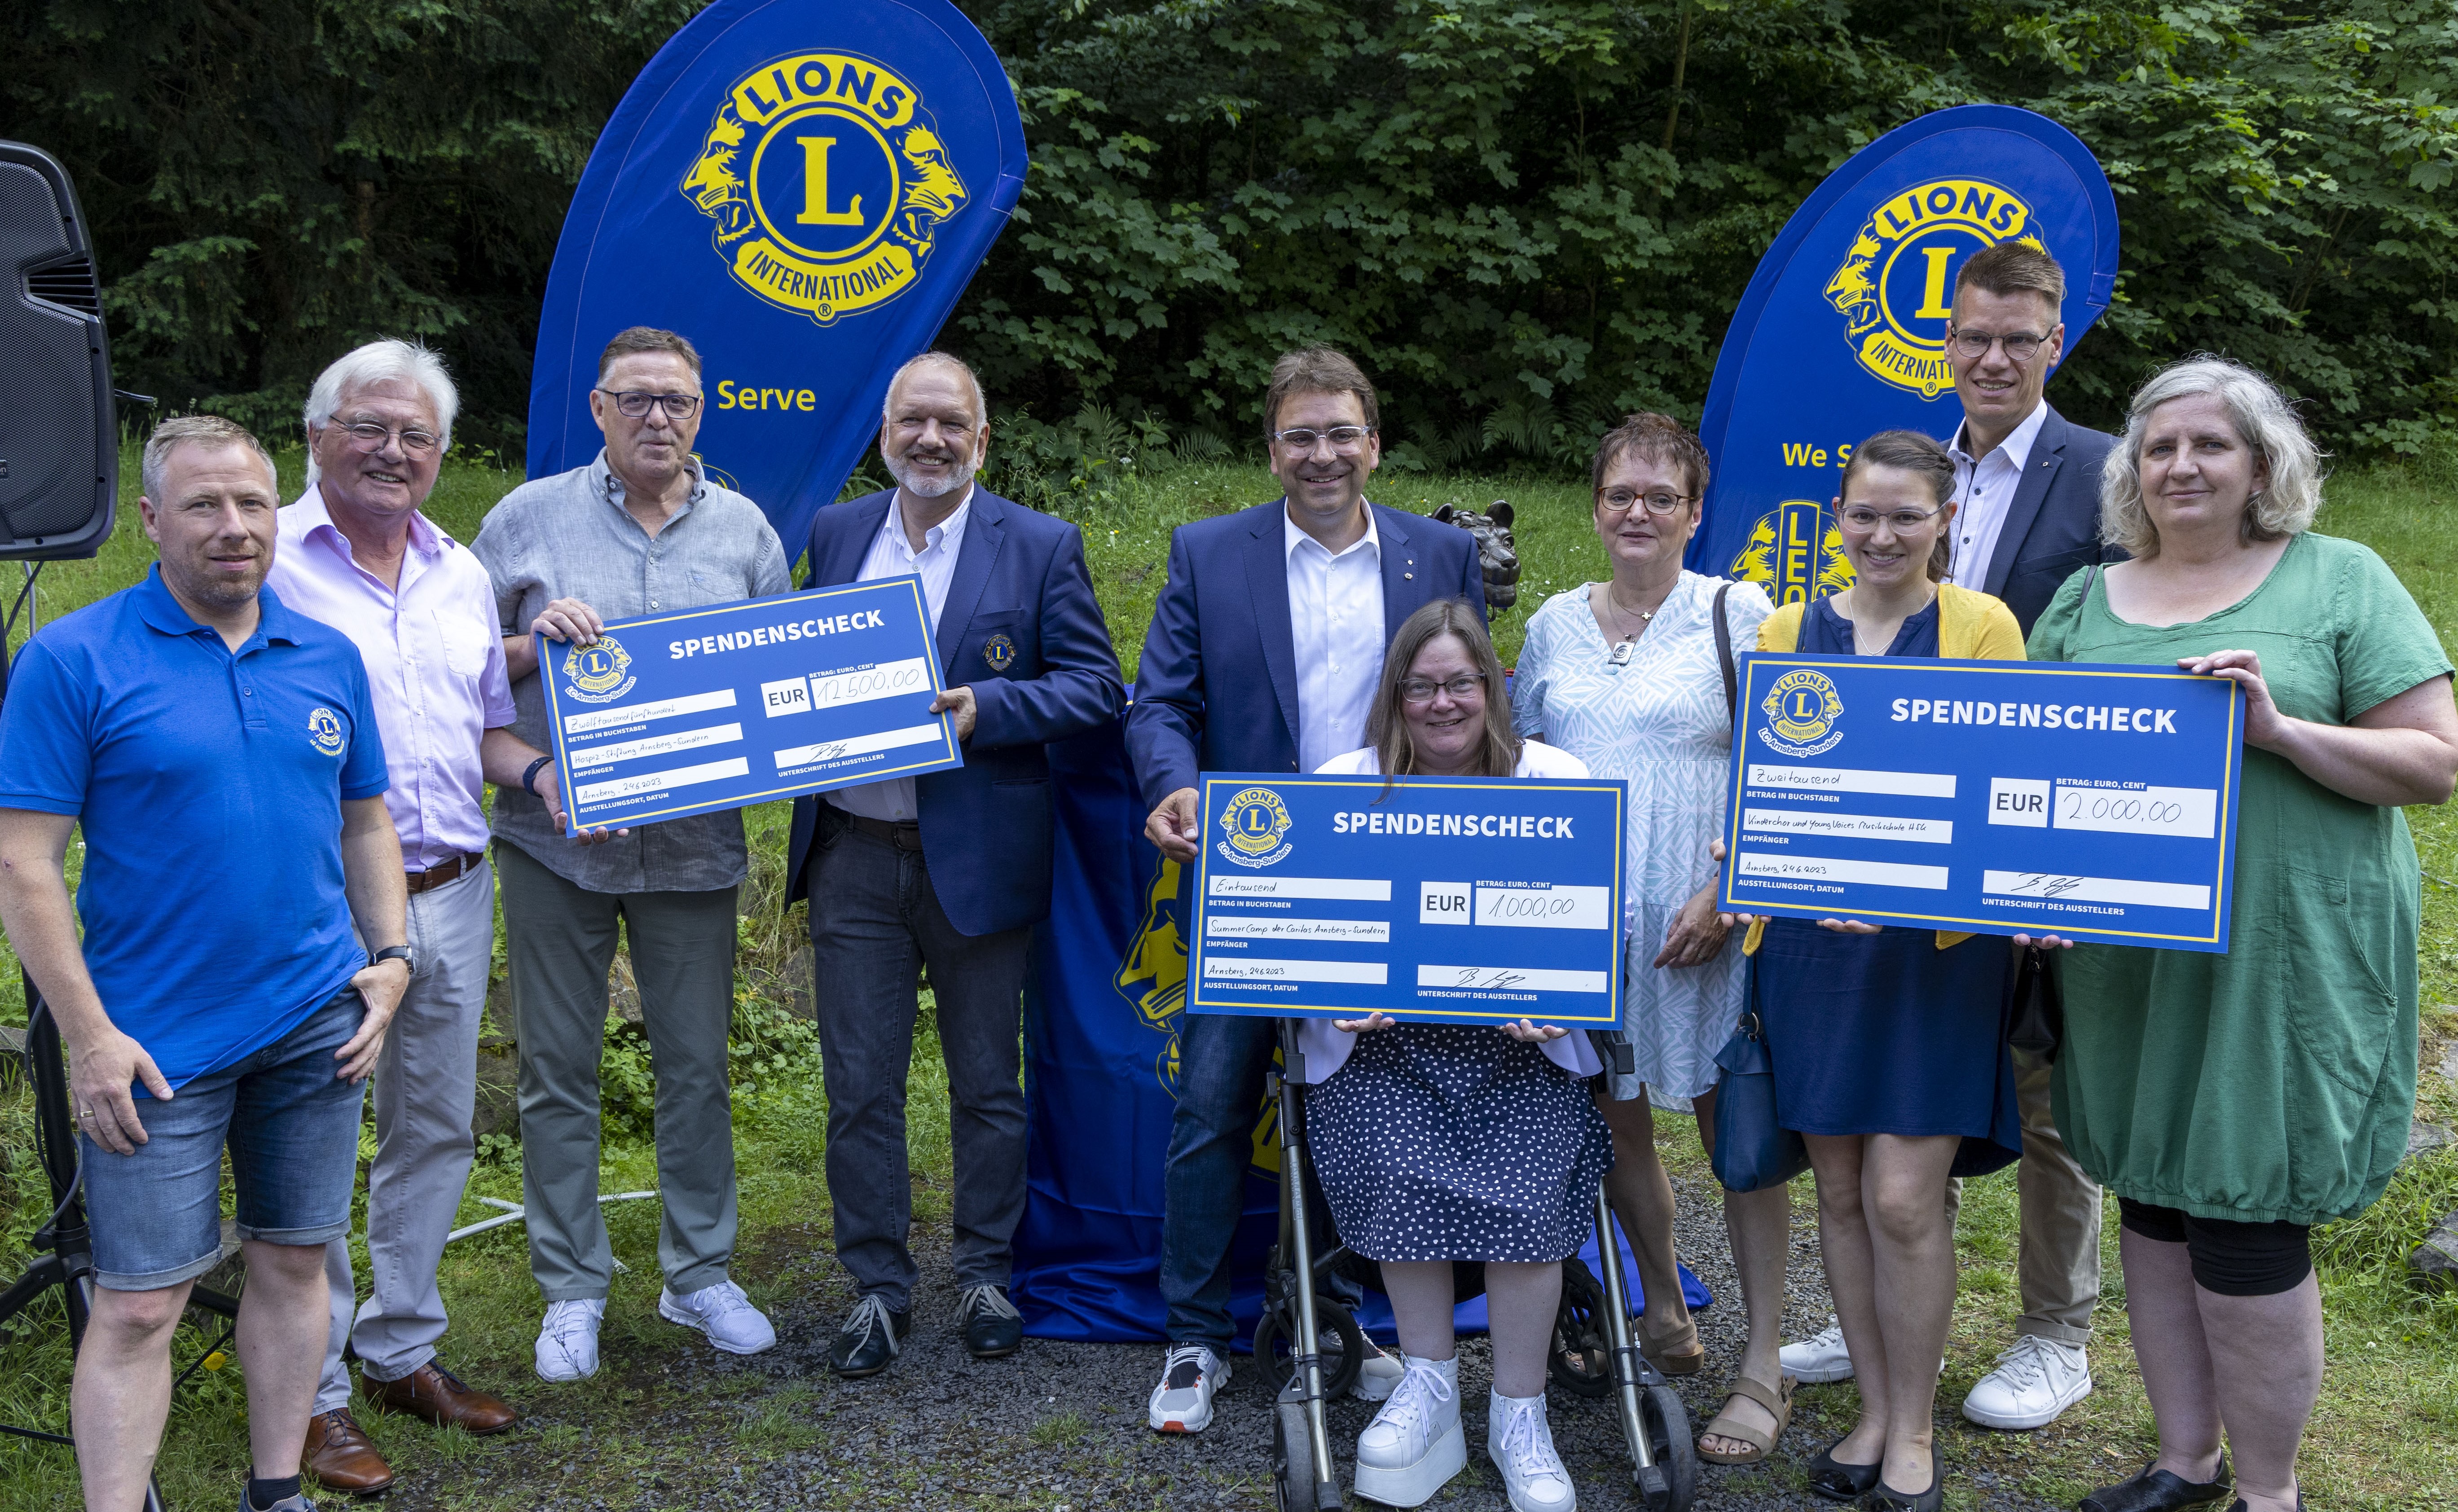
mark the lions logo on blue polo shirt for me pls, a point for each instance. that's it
(324, 729)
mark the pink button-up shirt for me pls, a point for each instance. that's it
(434, 661)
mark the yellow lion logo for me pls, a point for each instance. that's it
(826, 180)
(1796, 553)
(1895, 288)
(1153, 979)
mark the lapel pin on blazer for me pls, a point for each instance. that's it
(999, 651)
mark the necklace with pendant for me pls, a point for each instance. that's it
(1628, 646)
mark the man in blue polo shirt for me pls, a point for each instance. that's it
(221, 755)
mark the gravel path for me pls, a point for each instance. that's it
(1062, 1425)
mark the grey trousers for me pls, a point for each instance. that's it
(425, 1084)
(561, 940)
(2058, 1264)
(875, 921)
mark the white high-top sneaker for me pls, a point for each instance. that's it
(1414, 1444)
(1521, 1443)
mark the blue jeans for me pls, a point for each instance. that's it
(292, 1127)
(1221, 1064)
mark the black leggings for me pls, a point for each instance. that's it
(2231, 1258)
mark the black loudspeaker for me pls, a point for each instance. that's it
(59, 435)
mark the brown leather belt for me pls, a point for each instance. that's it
(434, 876)
(905, 837)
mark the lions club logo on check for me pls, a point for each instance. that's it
(1254, 819)
(1802, 709)
(1896, 287)
(827, 181)
(600, 672)
(324, 730)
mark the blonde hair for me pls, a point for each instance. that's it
(2264, 420)
(212, 432)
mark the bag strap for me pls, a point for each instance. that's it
(2088, 584)
(1724, 655)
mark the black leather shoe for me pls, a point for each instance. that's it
(868, 1340)
(1883, 1497)
(2158, 1490)
(993, 1329)
(1838, 1482)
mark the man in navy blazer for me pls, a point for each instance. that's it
(950, 869)
(1263, 656)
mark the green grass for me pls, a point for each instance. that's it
(2386, 1436)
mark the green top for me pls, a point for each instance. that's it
(2273, 1083)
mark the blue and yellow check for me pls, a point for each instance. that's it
(2092, 802)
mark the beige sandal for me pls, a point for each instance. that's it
(1688, 1358)
(1723, 1425)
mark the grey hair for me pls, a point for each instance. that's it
(938, 359)
(2264, 420)
(211, 431)
(376, 362)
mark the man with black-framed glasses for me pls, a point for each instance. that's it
(640, 531)
(2027, 486)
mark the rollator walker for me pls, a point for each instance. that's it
(1594, 1352)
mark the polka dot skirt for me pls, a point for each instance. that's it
(1452, 1142)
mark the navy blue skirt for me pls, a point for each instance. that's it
(1452, 1142)
(1886, 1034)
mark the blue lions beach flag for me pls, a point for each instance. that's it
(802, 189)
(1841, 333)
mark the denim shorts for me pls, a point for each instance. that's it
(292, 1127)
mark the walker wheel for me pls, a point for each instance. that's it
(1581, 1359)
(1278, 1326)
(1670, 1444)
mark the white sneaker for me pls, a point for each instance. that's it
(1190, 1376)
(2034, 1382)
(1521, 1444)
(1818, 1360)
(567, 1342)
(723, 1313)
(1378, 1376)
(1414, 1445)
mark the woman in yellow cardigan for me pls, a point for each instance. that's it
(1889, 1044)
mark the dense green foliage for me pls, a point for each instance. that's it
(1527, 216)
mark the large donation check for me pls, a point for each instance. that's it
(1442, 900)
(715, 708)
(2091, 803)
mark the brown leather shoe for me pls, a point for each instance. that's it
(436, 1394)
(339, 1455)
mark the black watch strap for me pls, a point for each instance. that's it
(528, 779)
(399, 953)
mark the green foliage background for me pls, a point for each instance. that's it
(1526, 215)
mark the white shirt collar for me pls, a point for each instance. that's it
(1291, 533)
(2018, 444)
(948, 532)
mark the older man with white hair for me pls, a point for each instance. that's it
(356, 554)
(951, 869)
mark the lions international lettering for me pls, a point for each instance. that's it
(827, 180)
(1895, 288)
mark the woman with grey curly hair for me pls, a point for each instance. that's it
(2233, 1100)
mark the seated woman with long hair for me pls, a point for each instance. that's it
(1438, 1143)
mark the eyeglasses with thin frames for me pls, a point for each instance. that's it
(632, 404)
(2020, 346)
(1618, 501)
(1860, 519)
(1343, 439)
(369, 436)
(1422, 690)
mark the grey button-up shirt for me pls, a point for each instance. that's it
(568, 536)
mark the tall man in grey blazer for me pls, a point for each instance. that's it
(2027, 481)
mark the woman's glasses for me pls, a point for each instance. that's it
(1860, 520)
(1618, 501)
(1422, 690)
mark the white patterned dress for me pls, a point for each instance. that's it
(1659, 724)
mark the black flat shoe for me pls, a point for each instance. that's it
(1883, 1497)
(1836, 1480)
(993, 1329)
(868, 1340)
(2158, 1490)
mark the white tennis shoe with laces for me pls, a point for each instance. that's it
(1414, 1445)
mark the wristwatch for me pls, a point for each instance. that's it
(399, 953)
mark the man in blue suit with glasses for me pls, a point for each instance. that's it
(1263, 656)
(950, 869)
